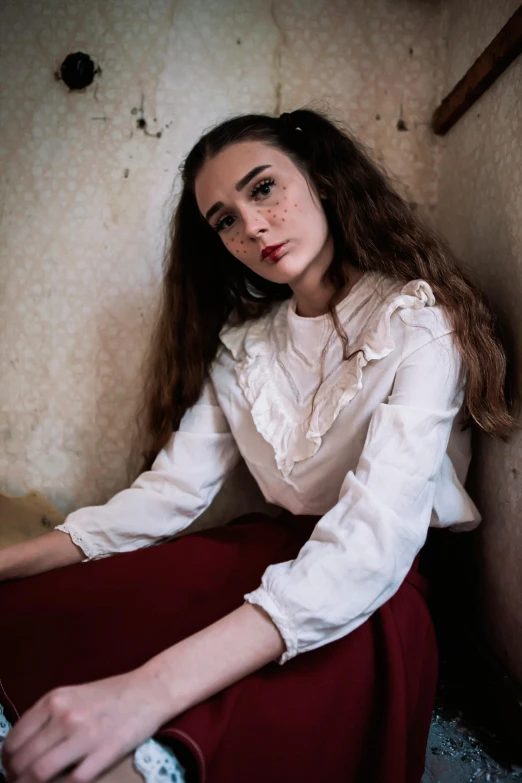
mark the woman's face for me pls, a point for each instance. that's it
(255, 197)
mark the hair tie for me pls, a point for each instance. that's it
(288, 121)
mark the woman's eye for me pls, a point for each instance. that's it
(223, 223)
(263, 188)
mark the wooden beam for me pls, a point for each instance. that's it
(493, 61)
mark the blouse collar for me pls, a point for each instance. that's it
(320, 319)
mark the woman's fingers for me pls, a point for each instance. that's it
(97, 762)
(30, 722)
(78, 731)
(35, 747)
(72, 767)
(48, 723)
(57, 761)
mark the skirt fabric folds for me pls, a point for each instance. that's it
(355, 710)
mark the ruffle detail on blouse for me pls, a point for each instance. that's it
(296, 432)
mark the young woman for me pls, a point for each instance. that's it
(312, 326)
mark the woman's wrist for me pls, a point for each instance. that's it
(52, 550)
(155, 680)
(211, 660)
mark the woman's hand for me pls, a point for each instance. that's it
(84, 729)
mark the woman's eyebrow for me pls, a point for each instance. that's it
(239, 186)
(251, 174)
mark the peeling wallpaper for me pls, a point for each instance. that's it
(80, 261)
(480, 211)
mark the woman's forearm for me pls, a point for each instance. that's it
(52, 550)
(216, 657)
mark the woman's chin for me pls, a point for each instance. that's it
(285, 270)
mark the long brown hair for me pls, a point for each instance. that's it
(373, 229)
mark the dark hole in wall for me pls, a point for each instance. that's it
(77, 71)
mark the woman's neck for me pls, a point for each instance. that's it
(313, 300)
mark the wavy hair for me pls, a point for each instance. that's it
(373, 228)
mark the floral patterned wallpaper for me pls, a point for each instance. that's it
(480, 211)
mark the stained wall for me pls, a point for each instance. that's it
(86, 193)
(480, 212)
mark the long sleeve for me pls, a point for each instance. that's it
(182, 482)
(361, 550)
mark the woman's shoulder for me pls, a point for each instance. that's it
(419, 317)
(394, 311)
(387, 294)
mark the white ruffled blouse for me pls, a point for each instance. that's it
(373, 444)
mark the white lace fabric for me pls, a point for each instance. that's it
(158, 764)
(5, 726)
(155, 762)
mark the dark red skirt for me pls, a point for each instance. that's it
(355, 710)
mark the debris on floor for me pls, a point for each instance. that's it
(455, 754)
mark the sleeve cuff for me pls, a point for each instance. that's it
(261, 598)
(90, 551)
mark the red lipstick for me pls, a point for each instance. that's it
(272, 251)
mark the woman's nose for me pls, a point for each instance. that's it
(255, 223)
